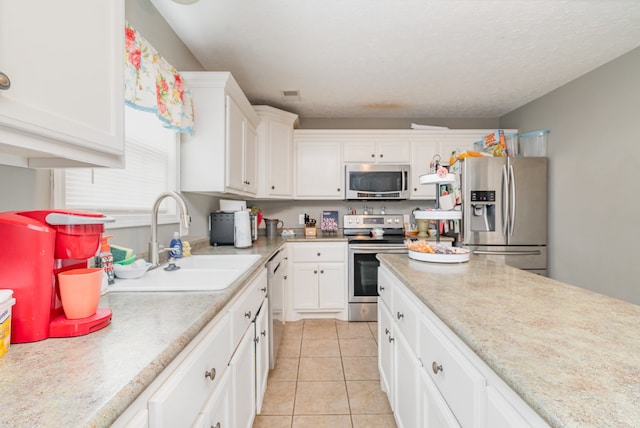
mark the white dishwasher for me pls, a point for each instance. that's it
(276, 275)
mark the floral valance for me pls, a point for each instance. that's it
(152, 84)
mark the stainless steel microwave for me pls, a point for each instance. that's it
(368, 181)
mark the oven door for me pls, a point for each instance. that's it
(363, 270)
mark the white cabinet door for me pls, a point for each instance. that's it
(235, 137)
(331, 286)
(500, 414)
(422, 153)
(405, 383)
(393, 152)
(319, 171)
(250, 155)
(243, 400)
(305, 286)
(385, 349)
(262, 337)
(65, 103)
(434, 410)
(217, 412)
(376, 152)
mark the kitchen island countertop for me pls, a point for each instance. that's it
(573, 355)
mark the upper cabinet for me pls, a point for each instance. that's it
(391, 151)
(65, 103)
(275, 152)
(221, 156)
(319, 168)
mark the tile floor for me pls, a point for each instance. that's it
(326, 375)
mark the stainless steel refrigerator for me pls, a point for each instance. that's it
(504, 204)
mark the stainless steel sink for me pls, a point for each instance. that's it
(196, 273)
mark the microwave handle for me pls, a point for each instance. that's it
(404, 179)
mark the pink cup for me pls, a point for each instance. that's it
(80, 291)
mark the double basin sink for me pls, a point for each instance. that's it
(195, 273)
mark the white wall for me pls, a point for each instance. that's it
(594, 158)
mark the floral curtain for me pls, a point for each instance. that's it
(152, 84)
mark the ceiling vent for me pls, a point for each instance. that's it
(291, 95)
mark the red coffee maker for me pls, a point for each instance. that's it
(37, 245)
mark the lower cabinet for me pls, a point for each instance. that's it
(436, 380)
(319, 280)
(219, 379)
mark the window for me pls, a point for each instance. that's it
(127, 194)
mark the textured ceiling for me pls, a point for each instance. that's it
(404, 58)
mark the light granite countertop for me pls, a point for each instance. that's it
(573, 355)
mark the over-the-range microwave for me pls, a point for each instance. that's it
(368, 181)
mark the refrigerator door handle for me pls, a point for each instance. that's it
(512, 200)
(506, 253)
(505, 201)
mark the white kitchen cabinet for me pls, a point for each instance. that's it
(275, 152)
(386, 340)
(243, 397)
(422, 153)
(405, 377)
(318, 280)
(217, 411)
(433, 408)
(262, 336)
(319, 170)
(182, 396)
(221, 156)
(65, 103)
(377, 151)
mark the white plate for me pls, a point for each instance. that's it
(437, 215)
(439, 258)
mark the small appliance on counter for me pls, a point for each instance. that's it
(242, 229)
(232, 228)
(39, 245)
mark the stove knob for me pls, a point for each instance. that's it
(397, 221)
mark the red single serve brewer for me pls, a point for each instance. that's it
(37, 245)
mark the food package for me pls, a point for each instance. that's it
(494, 144)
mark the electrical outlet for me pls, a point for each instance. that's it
(300, 218)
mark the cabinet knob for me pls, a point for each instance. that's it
(264, 333)
(338, 189)
(257, 339)
(321, 271)
(400, 315)
(373, 155)
(263, 289)
(381, 288)
(5, 83)
(318, 254)
(391, 339)
(285, 277)
(436, 367)
(211, 374)
(415, 189)
(386, 331)
(216, 425)
(247, 314)
(273, 187)
(381, 155)
(315, 271)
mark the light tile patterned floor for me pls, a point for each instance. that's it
(326, 375)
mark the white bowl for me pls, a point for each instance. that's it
(131, 272)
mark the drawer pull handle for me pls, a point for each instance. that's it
(400, 315)
(386, 331)
(263, 289)
(264, 333)
(257, 339)
(381, 288)
(211, 374)
(436, 367)
(247, 314)
(391, 339)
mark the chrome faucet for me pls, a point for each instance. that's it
(154, 248)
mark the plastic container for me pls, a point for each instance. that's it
(534, 143)
(80, 291)
(511, 141)
(6, 302)
(175, 246)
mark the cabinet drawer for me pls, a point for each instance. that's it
(182, 396)
(406, 316)
(461, 385)
(318, 253)
(244, 310)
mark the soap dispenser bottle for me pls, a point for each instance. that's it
(175, 247)
(105, 259)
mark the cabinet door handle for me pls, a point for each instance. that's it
(5, 83)
(264, 333)
(211, 374)
(400, 315)
(381, 288)
(386, 331)
(247, 314)
(263, 289)
(391, 339)
(436, 367)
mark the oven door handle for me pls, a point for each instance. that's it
(378, 248)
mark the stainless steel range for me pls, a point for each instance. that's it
(363, 265)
